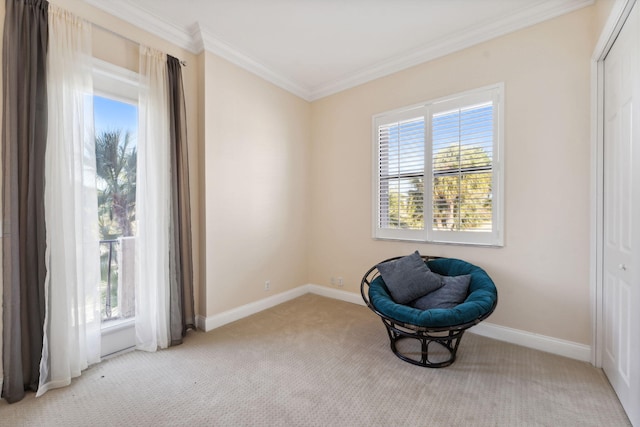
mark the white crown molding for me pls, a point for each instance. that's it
(481, 33)
(218, 47)
(145, 20)
(197, 39)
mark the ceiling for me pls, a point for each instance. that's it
(314, 48)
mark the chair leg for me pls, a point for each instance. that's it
(449, 342)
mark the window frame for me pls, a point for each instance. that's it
(112, 81)
(123, 85)
(495, 238)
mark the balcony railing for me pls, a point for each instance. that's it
(117, 286)
(107, 270)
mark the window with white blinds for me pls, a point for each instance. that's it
(401, 174)
(438, 170)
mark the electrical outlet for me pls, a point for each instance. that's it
(340, 282)
(267, 285)
(333, 281)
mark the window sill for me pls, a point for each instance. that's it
(113, 326)
(433, 242)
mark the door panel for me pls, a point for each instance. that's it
(621, 290)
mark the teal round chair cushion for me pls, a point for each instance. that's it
(480, 301)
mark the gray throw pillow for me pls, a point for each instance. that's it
(453, 292)
(408, 278)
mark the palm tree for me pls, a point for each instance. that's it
(461, 188)
(116, 170)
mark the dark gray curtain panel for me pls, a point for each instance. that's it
(182, 316)
(24, 134)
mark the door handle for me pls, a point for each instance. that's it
(622, 267)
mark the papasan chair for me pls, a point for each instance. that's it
(428, 301)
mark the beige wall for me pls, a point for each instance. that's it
(602, 11)
(542, 271)
(281, 189)
(256, 156)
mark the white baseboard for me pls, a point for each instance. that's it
(553, 345)
(338, 294)
(502, 333)
(246, 310)
(201, 323)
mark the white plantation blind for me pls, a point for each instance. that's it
(462, 151)
(401, 169)
(437, 175)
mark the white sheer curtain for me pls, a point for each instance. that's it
(153, 204)
(72, 322)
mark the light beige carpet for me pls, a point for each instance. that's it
(319, 362)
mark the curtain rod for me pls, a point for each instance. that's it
(182, 62)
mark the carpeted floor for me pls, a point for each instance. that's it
(315, 361)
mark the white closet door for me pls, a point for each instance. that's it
(621, 275)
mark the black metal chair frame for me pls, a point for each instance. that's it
(447, 337)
